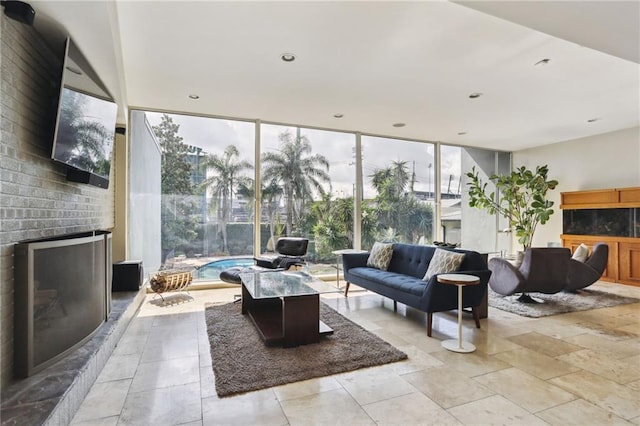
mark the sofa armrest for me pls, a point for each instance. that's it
(506, 279)
(354, 260)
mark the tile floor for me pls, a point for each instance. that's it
(579, 368)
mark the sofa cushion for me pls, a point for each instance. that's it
(380, 256)
(392, 280)
(442, 262)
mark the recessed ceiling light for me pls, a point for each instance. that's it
(338, 115)
(475, 95)
(399, 124)
(288, 57)
(194, 97)
(542, 62)
(593, 120)
(462, 133)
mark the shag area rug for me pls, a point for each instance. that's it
(242, 362)
(558, 303)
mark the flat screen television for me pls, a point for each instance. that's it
(85, 122)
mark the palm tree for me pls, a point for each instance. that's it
(297, 171)
(225, 176)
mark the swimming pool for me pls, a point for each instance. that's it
(211, 270)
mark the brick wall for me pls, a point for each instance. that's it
(36, 200)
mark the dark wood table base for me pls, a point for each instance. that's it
(286, 321)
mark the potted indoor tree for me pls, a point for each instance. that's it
(522, 199)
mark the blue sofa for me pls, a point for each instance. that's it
(402, 281)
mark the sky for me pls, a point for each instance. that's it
(214, 135)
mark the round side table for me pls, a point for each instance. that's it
(460, 280)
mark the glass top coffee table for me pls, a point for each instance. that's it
(285, 306)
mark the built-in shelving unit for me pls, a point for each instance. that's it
(607, 215)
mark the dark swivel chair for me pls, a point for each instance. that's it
(583, 274)
(543, 270)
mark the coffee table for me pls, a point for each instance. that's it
(285, 306)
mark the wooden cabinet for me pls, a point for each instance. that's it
(611, 216)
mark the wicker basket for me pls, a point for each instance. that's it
(169, 280)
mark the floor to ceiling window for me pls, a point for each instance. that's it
(202, 213)
(398, 191)
(207, 196)
(308, 183)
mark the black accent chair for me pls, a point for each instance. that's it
(583, 274)
(543, 270)
(291, 252)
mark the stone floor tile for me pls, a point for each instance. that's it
(411, 409)
(543, 344)
(606, 394)
(162, 374)
(104, 400)
(447, 387)
(163, 406)
(537, 364)
(494, 410)
(527, 391)
(335, 407)
(579, 412)
(619, 370)
(253, 408)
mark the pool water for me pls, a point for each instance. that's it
(211, 270)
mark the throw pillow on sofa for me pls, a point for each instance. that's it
(380, 256)
(581, 253)
(442, 262)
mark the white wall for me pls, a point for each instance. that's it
(610, 160)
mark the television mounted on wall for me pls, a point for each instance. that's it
(85, 122)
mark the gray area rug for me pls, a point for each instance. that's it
(242, 363)
(558, 303)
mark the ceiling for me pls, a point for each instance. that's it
(377, 63)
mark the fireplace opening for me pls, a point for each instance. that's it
(62, 296)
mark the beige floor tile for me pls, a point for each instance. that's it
(526, 390)
(207, 382)
(253, 408)
(411, 409)
(614, 334)
(494, 410)
(610, 334)
(634, 385)
(447, 387)
(105, 421)
(541, 366)
(417, 360)
(334, 407)
(579, 412)
(103, 400)
(545, 345)
(619, 370)
(606, 394)
(367, 389)
(491, 345)
(472, 364)
(306, 388)
(119, 367)
(169, 348)
(162, 374)
(167, 406)
(605, 347)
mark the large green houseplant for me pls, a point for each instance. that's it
(522, 199)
